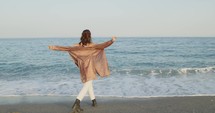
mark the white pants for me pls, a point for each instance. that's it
(88, 86)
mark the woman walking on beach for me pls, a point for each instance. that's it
(90, 58)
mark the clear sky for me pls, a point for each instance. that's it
(144, 18)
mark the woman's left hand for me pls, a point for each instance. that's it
(113, 38)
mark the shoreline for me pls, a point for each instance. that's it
(62, 104)
(117, 96)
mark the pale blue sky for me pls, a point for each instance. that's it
(144, 18)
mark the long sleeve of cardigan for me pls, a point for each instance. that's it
(73, 48)
(62, 48)
(103, 45)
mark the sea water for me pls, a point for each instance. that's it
(140, 66)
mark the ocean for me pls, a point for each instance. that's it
(140, 67)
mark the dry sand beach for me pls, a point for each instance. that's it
(62, 104)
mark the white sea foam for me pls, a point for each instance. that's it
(115, 85)
(196, 70)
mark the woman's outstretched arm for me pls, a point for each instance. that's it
(105, 44)
(73, 48)
(60, 48)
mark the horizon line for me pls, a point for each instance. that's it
(33, 37)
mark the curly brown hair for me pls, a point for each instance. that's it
(85, 38)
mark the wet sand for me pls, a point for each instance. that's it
(62, 104)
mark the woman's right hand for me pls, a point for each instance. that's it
(113, 38)
(51, 47)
